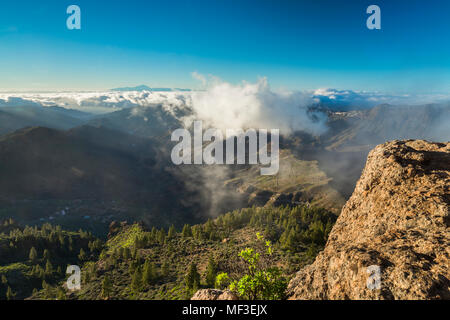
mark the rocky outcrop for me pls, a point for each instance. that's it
(214, 294)
(396, 220)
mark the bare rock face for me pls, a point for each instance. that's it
(213, 294)
(397, 219)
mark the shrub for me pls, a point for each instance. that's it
(258, 283)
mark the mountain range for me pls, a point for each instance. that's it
(147, 88)
(63, 170)
(106, 166)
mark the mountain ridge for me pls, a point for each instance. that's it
(147, 88)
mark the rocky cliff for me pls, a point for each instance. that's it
(396, 221)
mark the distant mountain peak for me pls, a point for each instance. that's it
(147, 88)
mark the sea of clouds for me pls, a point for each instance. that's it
(366, 99)
(219, 105)
(224, 105)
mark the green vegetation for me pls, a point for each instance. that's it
(192, 280)
(211, 272)
(34, 258)
(259, 282)
(141, 263)
(160, 264)
(125, 240)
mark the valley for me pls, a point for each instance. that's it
(142, 221)
(104, 167)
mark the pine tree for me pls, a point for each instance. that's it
(132, 267)
(161, 236)
(121, 252)
(126, 253)
(136, 280)
(154, 233)
(187, 231)
(106, 287)
(192, 279)
(211, 272)
(149, 273)
(48, 268)
(46, 254)
(196, 232)
(33, 254)
(10, 294)
(82, 255)
(209, 226)
(212, 235)
(172, 232)
(47, 289)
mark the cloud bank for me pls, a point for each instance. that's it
(96, 102)
(364, 99)
(253, 105)
(224, 105)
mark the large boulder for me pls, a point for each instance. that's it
(396, 220)
(214, 294)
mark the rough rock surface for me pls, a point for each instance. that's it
(213, 294)
(398, 219)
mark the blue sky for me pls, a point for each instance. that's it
(295, 44)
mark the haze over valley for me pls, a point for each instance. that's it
(104, 156)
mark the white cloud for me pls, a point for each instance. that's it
(97, 102)
(223, 105)
(253, 105)
(199, 77)
(365, 99)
